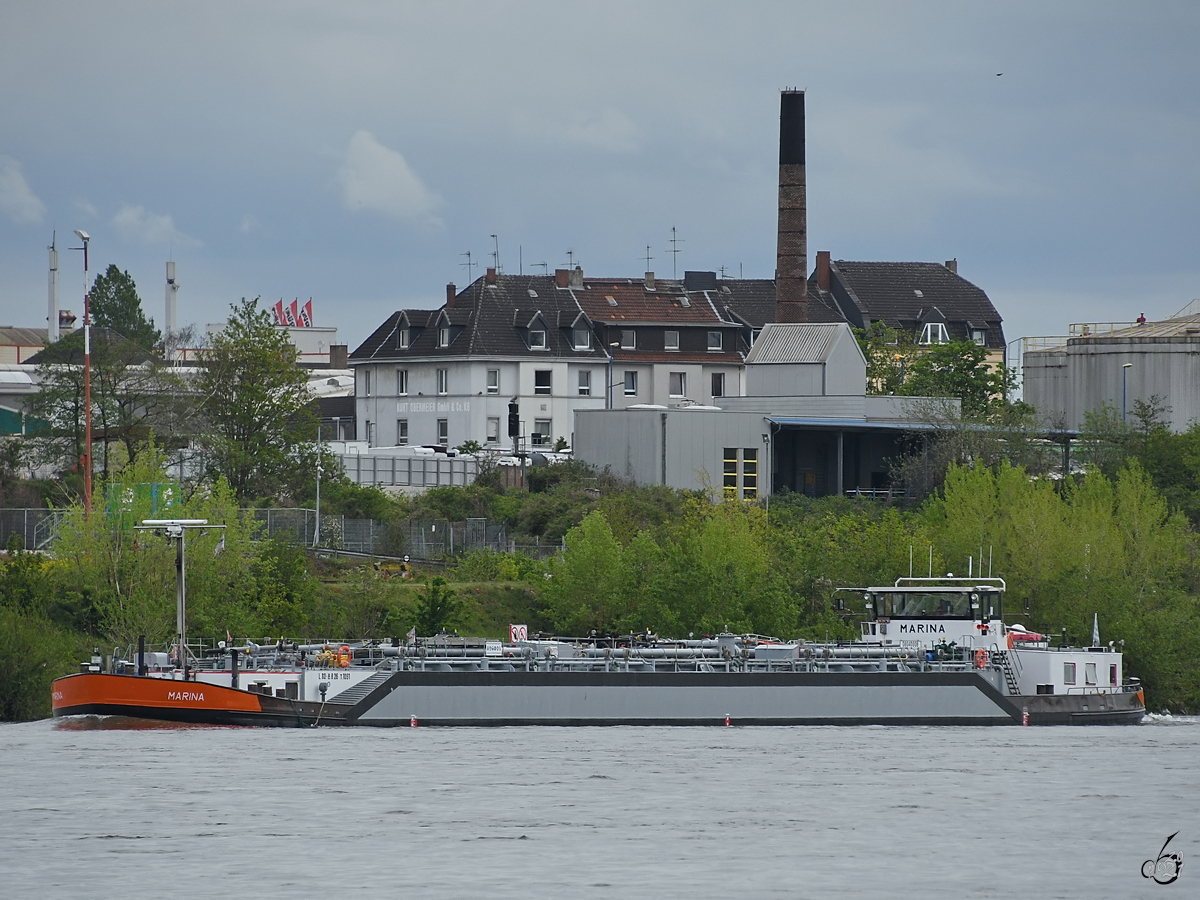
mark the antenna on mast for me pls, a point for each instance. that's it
(674, 251)
(52, 290)
(468, 264)
(496, 253)
(648, 257)
(172, 323)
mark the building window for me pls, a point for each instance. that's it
(583, 338)
(729, 473)
(493, 381)
(366, 384)
(678, 384)
(979, 336)
(714, 340)
(542, 432)
(537, 339)
(1089, 673)
(1068, 673)
(402, 339)
(541, 381)
(370, 433)
(585, 383)
(443, 337)
(630, 384)
(628, 339)
(401, 432)
(443, 381)
(670, 340)
(443, 429)
(493, 430)
(934, 333)
(402, 381)
(718, 384)
(750, 474)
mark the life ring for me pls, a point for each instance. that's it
(981, 659)
(343, 656)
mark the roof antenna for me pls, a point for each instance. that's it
(545, 267)
(468, 264)
(648, 257)
(496, 253)
(674, 251)
(570, 259)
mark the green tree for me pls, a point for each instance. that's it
(584, 590)
(255, 404)
(114, 303)
(437, 607)
(959, 369)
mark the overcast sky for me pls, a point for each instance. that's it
(352, 152)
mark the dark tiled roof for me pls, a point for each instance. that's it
(492, 320)
(903, 295)
(752, 301)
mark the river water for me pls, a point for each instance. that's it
(94, 808)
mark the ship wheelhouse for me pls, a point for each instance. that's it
(926, 612)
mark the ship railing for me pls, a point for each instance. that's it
(1127, 688)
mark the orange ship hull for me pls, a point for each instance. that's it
(180, 701)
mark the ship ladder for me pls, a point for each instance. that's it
(1000, 657)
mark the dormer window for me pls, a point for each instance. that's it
(714, 340)
(935, 333)
(537, 339)
(628, 339)
(670, 340)
(443, 337)
(979, 336)
(583, 337)
(402, 339)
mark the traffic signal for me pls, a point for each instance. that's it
(514, 420)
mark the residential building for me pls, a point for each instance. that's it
(551, 344)
(929, 301)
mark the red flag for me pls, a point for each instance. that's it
(279, 320)
(292, 318)
(306, 314)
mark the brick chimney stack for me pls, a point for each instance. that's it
(791, 267)
(823, 269)
(490, 276)
(451, 293)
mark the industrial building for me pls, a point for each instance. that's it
(1116, 364)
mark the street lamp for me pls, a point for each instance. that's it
(87, 382)
(610, 371)
(1124, 389)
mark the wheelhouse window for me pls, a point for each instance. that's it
(1068, 673)
(493, 381)
(670, 340)
(541, 381)
(402, 381)
(537, 339)
(628, 339)
(678, 384)
(922, 604)
(1089, 673)
(935, 333)
(583, 337)
(585, 383)
(630, 384)
(443, 381)
(714, 340)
